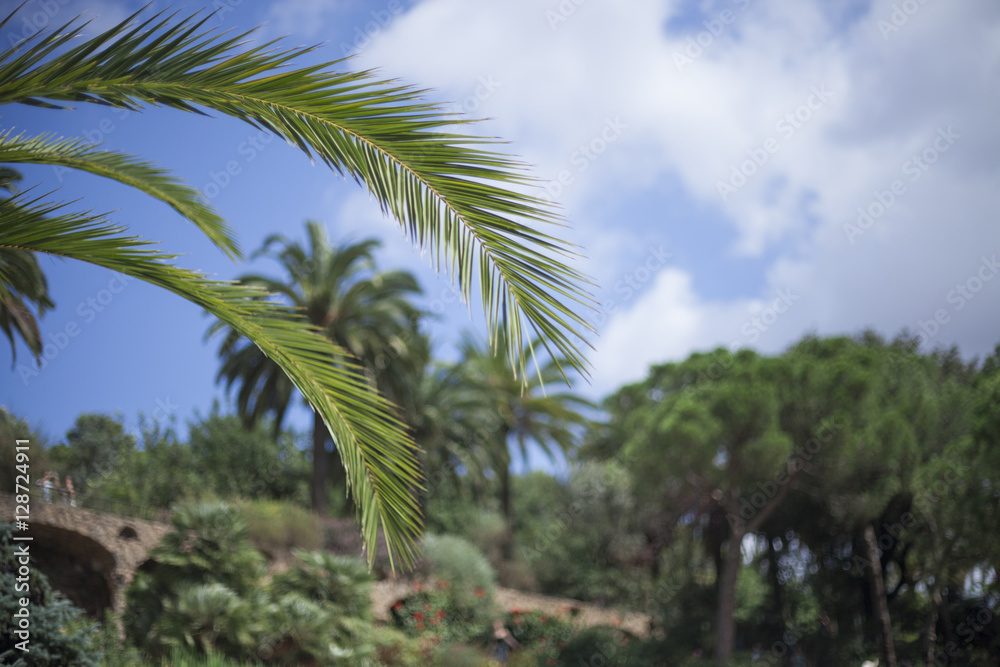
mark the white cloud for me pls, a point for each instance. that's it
(887, 99)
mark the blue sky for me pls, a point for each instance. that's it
(711, 158)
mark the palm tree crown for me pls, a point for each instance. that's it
(338, 289)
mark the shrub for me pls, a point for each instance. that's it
(60, 635)
(209, 544)
(455, 592)
(544, 635)
(599, 645)
(281, 525)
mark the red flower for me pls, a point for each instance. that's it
(480, 592)
(440, 613)
(516, 611)
(442, 584)
(435, 620)
(616, 622)
(398, 605)
(419, 586)
(418, 616)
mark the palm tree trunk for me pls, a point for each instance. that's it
(320, 462)
(508, 512)
(878, 593)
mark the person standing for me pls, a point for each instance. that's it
(504, 641)
(70, 491)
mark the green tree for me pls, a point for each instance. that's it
(25, 287)
(94, 446)
(270, 465)
(343, 295)
(704, 438)
(466, 204)
(525, 412)
(12, 429)
(57, 632)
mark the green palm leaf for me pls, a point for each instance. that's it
(378, 455)
(76, 154)
(450, 195)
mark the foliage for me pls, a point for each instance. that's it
(269, 462)
(454, 598)
(94, 446)
(341, 583)
(209, 544)
(13, 428)
(277, 525)
(599, 645)
(468, 206)
(363, 311)
(543, 635)
(59, 633)
(26, 288)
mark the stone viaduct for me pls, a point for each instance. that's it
(89, 556)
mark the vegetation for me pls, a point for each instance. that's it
(467, 205)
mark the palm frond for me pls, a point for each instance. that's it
(126, 169)
(451, 194)
(379, 457)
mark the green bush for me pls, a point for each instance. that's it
(59, 633)
(543, 635)
(277, 525)
(209, 544)
(454, 598)
(394, 648)
(600, 645)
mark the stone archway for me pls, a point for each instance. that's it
(91, 557)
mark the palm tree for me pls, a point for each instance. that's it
(364, 312)
(525, 411)
(27, 287)
(474, 209)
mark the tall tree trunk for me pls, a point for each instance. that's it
(320, 461)
(508, 512)
(878, 594)
(725, 617)
(930, 634)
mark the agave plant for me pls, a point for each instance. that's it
(471, 207)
